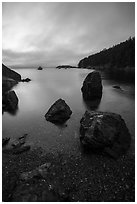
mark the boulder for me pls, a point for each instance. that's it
(92, 86)
(59, 112)
(7, 72)
(103, 131)
(10, 100)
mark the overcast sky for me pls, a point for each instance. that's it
(51, 34)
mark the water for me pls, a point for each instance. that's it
(48, 85)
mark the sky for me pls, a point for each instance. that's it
(51, 34)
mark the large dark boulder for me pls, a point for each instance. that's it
(9, 101)
(59, 112)
(92, 86)
(103, 131)
(7, 72)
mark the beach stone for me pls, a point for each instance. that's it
(19, 142)
(104, 131)
(39, 172)
(92, 86)
(59, 112)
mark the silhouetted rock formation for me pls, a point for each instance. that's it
(9, 101)
(9, 78)
(65, 67)
(7, 72)
(40, 68)
(104, 131)
(26, 80)
(59, 112)
(92, 86)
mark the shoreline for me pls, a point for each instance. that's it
(84, 178)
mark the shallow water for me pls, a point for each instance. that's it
(48, 85)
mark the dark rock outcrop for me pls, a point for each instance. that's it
(116, 87)
(7, 72)
(40, 68)
(103, 131)
(92, 86)
(7, 84)
(9, 101)
(26, 80)
(59, 112)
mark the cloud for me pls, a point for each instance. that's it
(49, 34)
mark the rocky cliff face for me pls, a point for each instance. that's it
(6, 72)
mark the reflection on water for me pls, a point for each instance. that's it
(92, 105)
(47, 86)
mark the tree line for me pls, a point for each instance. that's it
(118, 57)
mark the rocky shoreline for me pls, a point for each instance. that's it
(85, 177)
(32, 175)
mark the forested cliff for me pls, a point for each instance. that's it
(118, 57)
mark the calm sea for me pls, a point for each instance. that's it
(48, 85)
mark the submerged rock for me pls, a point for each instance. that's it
(92, 86)
(18, 146)
(19, 142)
(59, 112)
(104, 131)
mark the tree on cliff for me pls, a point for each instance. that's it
(121, 55)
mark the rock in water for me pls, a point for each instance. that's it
(26, 80)
(59, 112)
(10, 100)
(104, 131)
(116, 87)
(92, 86)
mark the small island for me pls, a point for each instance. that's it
(65, 67)
(40, 68)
